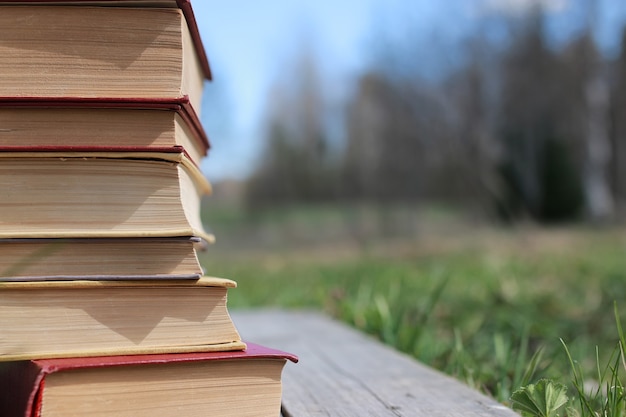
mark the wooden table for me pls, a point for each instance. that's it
(344, 373)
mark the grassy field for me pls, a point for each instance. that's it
(488, 306)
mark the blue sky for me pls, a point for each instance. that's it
(247, 43)
(250, 44)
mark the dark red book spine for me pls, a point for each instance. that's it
(180, 105)
(22, 382)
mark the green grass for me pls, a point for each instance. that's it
(602, 395)
(489, 309)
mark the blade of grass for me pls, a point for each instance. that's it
(578, 383)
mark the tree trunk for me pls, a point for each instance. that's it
(600, 203)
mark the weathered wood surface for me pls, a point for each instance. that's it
(344, 373)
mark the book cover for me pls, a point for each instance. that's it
(30, 388)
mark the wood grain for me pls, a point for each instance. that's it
(344, 373)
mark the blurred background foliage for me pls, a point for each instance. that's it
(465, 206)
(507, 123)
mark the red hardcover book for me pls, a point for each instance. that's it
(82, 124)
(116, 48)
(183, 5)
(238, 383)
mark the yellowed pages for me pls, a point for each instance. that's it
(71, 196)
(93, 318)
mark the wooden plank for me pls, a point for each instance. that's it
(344, 373)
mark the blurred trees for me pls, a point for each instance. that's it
(295, 166)
(387, 152)
(522, 128)
(618, 125)
(539, 175)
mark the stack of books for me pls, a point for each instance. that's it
(104, 307)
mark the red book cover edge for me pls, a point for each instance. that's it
(43, 367)
(252, 351)
(185, 6)
(80, 151)
(192, 24)
(25, 380)
(181, 105)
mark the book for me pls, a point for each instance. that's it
(101, 318)
(119, 194)
(101, 123)
(82, 49)
(100, 259)
(240, 383)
